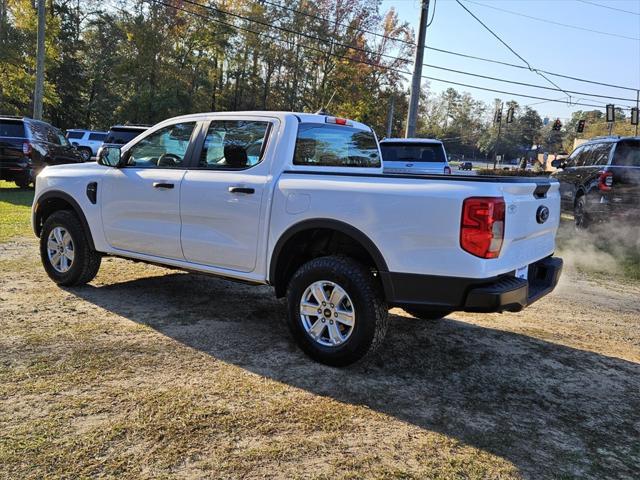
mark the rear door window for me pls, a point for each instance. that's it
(335, 146)
(571, 161)
(74, 135)
(600, 154)
(97, 137)
(627, 154)
(415, 153)
(12, 128)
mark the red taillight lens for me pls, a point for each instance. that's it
(27, 149)
(482, 226)
(605, 181)
(447, 170)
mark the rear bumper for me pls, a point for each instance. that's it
(497, 294)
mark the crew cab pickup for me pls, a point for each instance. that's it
(300, 202)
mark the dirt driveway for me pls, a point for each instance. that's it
(151, 373)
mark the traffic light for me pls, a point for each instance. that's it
(557, 125)
(611, 113)
(497, 117)
(510, 115)
(634, 116)
(580, 127)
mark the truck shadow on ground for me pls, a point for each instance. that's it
(551, 410)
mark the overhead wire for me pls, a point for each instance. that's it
(608, 7)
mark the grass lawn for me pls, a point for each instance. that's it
(15, 208)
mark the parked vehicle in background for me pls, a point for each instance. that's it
(414, 156)
(27, 146)
(87, 142)
(122, 134)
(601, 180)
(466, 166)
(300, 202)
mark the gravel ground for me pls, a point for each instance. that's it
(149, 373)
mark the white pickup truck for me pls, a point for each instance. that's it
(300, 202)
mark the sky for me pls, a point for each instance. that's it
(554, 48)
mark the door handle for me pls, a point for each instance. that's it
(162, 185)
(246, 190)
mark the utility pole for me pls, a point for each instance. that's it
(412, 116)
(497, 119)
(637, 108)
(38, 94)
(392, 105)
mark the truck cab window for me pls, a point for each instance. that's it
(233, 144)
(335, 146)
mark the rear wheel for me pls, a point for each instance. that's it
(23, 181)
(426, 314)
(580, 214)
(336, 311)
(65, 251)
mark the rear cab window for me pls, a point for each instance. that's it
(413, 152)
(627, 154)
(12, 128)
(328, 145)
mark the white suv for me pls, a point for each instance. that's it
(87, 142)
(423, 156)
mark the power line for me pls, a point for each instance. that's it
(448, 52)
(552, 22)
(509, 47)
(355, 60)
(607, 6)
(364, 50)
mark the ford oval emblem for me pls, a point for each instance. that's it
(409, 164)
(542, 215)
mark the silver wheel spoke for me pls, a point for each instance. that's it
(316, 329)
(57, 233)
(66, 239)
(55, 258)
(334, 334)
(318, 293)
(70, 255)
(64, 264)
(52, 245)
(337, 295)
(346, 318)
(308, 309)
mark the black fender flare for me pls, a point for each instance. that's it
(57, 194)
(328, 224)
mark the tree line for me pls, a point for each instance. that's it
(141, 61)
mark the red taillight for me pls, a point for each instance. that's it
(605, 181)
(482, 226)
(447, 170)
(27, 149)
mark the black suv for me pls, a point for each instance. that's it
(601, 180)
(27, 146)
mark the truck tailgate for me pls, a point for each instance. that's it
(532, 217)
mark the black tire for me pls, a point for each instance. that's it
(581, 217)
(86, 261)
(23, 182)
(85, 153)
(371, 311)
(426, 314)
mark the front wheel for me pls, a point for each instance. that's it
(336, 311)
(23, 182)
(85, 153)
(65, 251)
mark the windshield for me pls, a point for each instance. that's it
(627, 154)
(120, 136)
(11, 128)
(412, 152)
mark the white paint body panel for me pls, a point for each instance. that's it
(199, 225)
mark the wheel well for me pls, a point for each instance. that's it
(49, 204)
(311, 243)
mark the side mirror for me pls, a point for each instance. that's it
(109, 156)
(556, 163)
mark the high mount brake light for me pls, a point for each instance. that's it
(482, 226)
(605, 181)
(337, 120)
